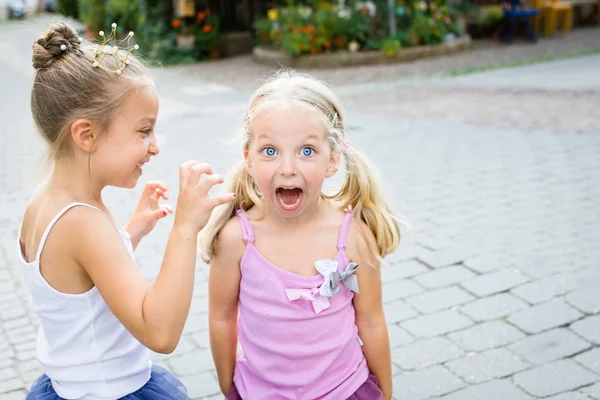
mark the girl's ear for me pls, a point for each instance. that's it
(334, 164)
(84, 135)
(248, 163)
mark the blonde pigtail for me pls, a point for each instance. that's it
(361, 191)
(246, 197)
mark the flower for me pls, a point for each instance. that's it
(272, 14)
(207, 28)
(366, 7)
(344, 13)
(200, 17)
(305, 12)
(353, 46)
(176, 23)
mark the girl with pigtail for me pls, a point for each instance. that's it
(294, 273)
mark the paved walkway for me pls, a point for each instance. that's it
(494, 292)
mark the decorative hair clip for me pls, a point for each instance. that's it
(346, 144)
(107, 50)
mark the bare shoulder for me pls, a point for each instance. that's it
(230, 241)
(362, 245)
(88, 226)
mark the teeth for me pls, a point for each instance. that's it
(287, 205)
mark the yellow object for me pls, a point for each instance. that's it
(272, 14)
(185, 8)
(552, 10)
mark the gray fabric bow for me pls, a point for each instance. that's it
(347, 277)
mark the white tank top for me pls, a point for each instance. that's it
(83, 348)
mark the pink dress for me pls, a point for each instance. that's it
(298, 335)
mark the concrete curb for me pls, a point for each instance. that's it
(273, 57)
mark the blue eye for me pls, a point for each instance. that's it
(269, 151)
(307, 151)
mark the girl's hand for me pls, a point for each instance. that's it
(194, 205)
(148, 211)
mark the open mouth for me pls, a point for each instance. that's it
(289, 198)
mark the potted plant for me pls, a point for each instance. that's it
(185, 33)
(207, 35)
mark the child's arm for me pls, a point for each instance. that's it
(155, 315)
(223, 293)
(370, 317)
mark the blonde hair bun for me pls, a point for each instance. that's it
(56, 42)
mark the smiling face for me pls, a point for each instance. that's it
(289, 156)
(130, 141)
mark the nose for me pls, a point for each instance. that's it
(288, 165)
(153, 149)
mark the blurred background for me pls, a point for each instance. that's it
(481, 116)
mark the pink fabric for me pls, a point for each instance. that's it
(288, 350)
(367, 391)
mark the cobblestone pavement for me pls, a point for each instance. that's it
(494, 292)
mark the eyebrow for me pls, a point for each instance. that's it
(266, 137)
(149, 119)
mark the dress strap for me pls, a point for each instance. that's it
(344, 229)
(246, 226)
(51, 224)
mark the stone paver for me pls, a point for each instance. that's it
(399, 336)
(544, 316)
(492, 293)
(589, 328)
(398, 311)
(590, 360)
(492, 364)
(436, 324)
(545, 289)
(439, 299)
(444, 277)
(446, 256)
(425, 353)
(586, 300)
(390, 273)
(554, 378)
(487, 335)
(495, 390)
(493, 307)
(425, 384)
(494, 282)
(549, 346)
(570, 396)
(593, 391)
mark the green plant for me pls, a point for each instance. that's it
(93, 14)
(390, 46)
(68, 8)
(426, 29)
(302, 29)
(130, 15)
(207, 33)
